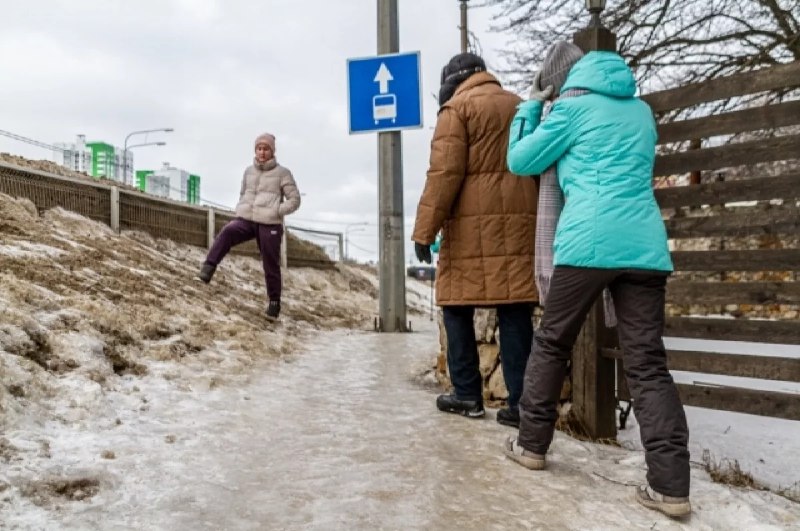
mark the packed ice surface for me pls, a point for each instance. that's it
(133, 397)
(340, 436)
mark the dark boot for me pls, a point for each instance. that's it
(468, 408)
(273, 310)
(508, 417)
(206, 272)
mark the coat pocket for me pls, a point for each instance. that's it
(267, 199)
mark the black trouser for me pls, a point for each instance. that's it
(639, 303)
(516, 334)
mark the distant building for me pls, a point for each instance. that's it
(148, 182)
(170, 182)
(98, 159)
(109, 162)
(106, 161)
(75, 156)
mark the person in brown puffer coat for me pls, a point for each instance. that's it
(487, 217)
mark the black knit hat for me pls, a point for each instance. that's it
(456, 71)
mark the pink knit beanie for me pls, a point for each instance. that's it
(266, 138)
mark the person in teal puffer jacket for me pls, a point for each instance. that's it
(610, 233)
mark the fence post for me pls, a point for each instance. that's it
(211, 229)
(593, 376)
(114, 221)
(341, 247)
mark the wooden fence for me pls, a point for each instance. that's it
(128, 209)
(758, 146)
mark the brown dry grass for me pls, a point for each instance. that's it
(728, 472)
(139, 295)
(569, 424)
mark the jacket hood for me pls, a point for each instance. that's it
(603, 73)
(481, 78)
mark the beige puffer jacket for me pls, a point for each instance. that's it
(268, 194)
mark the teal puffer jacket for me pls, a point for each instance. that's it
(604, 146)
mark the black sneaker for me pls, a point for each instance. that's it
(206, 272)
(273, 310)
(468, 408)
(508, 417)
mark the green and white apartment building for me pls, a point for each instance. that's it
(170, 182)
(106, 161)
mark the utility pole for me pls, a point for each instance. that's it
(392, 298)
(463, 27)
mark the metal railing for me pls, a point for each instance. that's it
(125, 208)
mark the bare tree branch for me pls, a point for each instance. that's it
(666, 42)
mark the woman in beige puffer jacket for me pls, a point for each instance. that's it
(268, 194)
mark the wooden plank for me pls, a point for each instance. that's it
(721, 293)
(765, 150)
(756, 260)
(744, 365)
(744, 223)
(772, 78)
(593, 397)
(741, 400)
(753, 119)
(759, 331)
(785, 186)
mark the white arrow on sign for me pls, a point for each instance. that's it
(383, 77)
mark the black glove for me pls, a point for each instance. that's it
(423, 252)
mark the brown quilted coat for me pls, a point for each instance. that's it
(487, 214)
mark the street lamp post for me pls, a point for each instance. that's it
(596, 37)
(595, 7)
(135, 146)
(125, 147)
(347, 231)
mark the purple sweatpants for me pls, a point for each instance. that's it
(268, 238)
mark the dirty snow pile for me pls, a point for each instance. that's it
(89, 317)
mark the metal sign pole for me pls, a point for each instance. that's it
(392, 299)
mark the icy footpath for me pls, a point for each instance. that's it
(340, 436)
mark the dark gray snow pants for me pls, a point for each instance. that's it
(639, 299)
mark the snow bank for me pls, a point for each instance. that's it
(87, 316)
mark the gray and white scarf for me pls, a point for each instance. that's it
(551, 203)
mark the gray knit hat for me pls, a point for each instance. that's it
(560, 59)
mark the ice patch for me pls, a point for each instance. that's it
(23, 249)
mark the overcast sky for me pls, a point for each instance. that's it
(220, 72)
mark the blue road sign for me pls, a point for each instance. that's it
(384, 93)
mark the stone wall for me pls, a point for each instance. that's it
(487, 334)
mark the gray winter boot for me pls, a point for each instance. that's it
(520, 455)
(669, 505)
